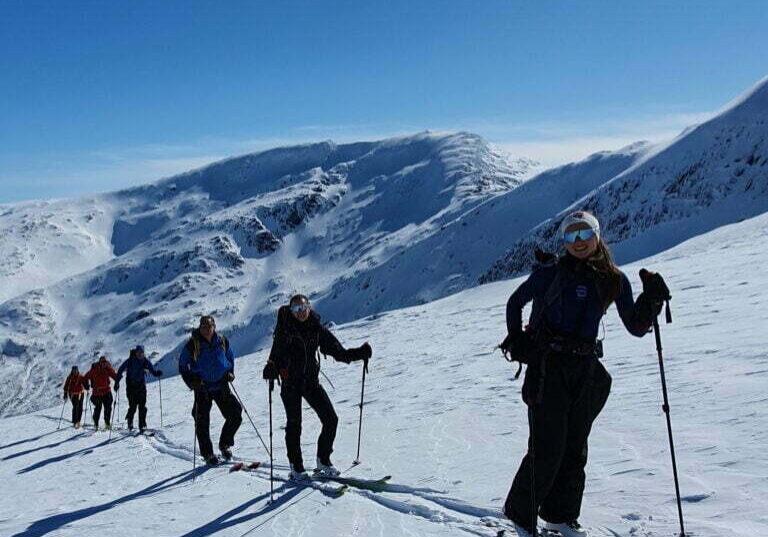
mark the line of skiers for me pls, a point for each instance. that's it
(97, 380)
(565, 386)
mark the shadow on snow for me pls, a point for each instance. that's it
(50, 524)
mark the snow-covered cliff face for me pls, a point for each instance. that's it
(234, 239)
(361, 228)
(712, 174)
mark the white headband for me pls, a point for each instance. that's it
(580, 217)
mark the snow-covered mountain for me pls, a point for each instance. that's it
(443, 416)
(362, 228)
(712, 174)
(233, 239)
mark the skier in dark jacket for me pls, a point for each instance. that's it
(101, 395)
(207, 366)
(565, 384)
(135, 368)
(74, 390)
(298, 336)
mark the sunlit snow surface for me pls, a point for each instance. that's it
(443, 416)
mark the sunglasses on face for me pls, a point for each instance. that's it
(298, 308)
(580, 234)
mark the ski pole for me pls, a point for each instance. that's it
(160, 384)
(665, 408)
(88, 405)
(194, 440)
(269, 451)
(112, 416)
(532, 458)
(62, 414)
(360, 422)
(271, 460)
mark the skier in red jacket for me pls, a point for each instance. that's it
(99, 376)
(74, 390)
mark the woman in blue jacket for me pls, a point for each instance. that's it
(565, 385)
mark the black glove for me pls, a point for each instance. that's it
(270, 371)
(544, 258)
(117, 387)
(363, 352)
(654, 287)
(517, 346)
(158, 373)
(230, 376)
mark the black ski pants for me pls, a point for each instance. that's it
(318, 399)
(137, 398)
(574, 390)
(77, 406)
(228, 406)
(105, 401)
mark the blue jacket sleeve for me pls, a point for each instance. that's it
(148, 365)
(634, 314)
(230, 356)
(121, 370)
(187, 372)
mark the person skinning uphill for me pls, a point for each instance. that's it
(207, 366)
(74, 389)
(293, 358)
(135, 368)
(101, 394)
(565, 384)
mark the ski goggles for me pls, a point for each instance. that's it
(580, 234)
(298, 308)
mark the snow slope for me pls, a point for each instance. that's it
(443, 416)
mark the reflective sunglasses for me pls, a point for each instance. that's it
(298, 308)
(580, 234)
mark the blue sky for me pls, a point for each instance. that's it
(101, 95)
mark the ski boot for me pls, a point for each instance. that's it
(212, 460)
(226, 452)
(298, 473)
(326, 468)
(77, 425)
(567, 529)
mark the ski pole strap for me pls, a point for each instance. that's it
(365, 364)
(668, 313)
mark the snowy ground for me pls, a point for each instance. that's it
(444, 418)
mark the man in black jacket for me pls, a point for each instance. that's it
(298, 336)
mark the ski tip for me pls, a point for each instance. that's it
(237, 466)
(254, 465)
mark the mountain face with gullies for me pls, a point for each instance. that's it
(362, 228)
(712, 174)
(235, 239)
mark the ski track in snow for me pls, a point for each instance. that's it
(443, 417)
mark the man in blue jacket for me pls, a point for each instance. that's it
(207, 366)
(135, 367)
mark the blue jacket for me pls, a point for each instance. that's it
(209, 362)
(576, 310)
(135, 368)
